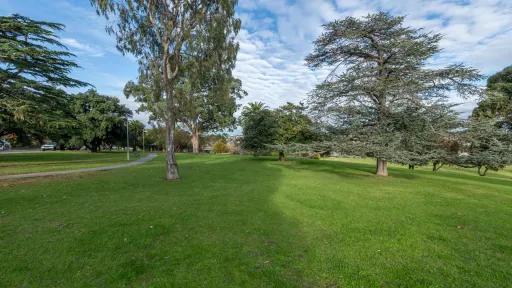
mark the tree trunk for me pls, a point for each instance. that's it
(411, 167)
(482, 173)
(172, 166)
(281, 156)
(40, 139)
(437, 165)
(168, 77)
(382, 167)
(195, 140)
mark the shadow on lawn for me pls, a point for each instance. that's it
(216, 227)
(249, 242)
(339, 168)
(365, 170)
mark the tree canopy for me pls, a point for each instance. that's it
(33, 65)
(378, 69)
(260, 127)
(101, 119)
(160, 34)
(294, 125)
(486, 146)
(497, 102)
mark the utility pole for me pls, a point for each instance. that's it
(127, 141)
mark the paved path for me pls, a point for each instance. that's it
(23, 151)
(55, 173)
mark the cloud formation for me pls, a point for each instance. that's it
(81, 48)
(277, 35)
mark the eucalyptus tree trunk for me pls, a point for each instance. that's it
(170, 124)
(382, 167)
(172, 166)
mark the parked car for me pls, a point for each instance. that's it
(4, 145)
(49, 146)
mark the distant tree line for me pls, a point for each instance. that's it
(266, 129)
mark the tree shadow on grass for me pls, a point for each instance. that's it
(451, 175)
(365, 170)
(436, 223)
(339, 168)
(216, 227)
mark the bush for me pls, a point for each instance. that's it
(220, 146)
(315, 156)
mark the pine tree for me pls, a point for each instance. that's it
(33, 65)
(378, 70)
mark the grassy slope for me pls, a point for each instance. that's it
(244, 222)
(20, 163)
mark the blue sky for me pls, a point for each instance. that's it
(276, 35)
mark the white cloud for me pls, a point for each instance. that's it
(81, 48)
(270, 72)
(271, 65)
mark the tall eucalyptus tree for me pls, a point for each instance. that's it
(210, 92)
(159, 33)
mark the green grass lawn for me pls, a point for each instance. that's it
(21, 163)
(235, 221)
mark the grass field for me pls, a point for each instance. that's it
(235, 221)
(21, 163)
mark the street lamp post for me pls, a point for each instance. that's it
(127, 141)
(143, 132)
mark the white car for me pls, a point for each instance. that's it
(49, 146)
(4, 145)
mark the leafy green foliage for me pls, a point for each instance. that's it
(136, 128)
(101, 119)
(486, 145)
(155, 139)
(260, 127)
(418, 133)
(31, 69)
(497, 102)
(208, 92)
(294, 125)
(488, 136)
